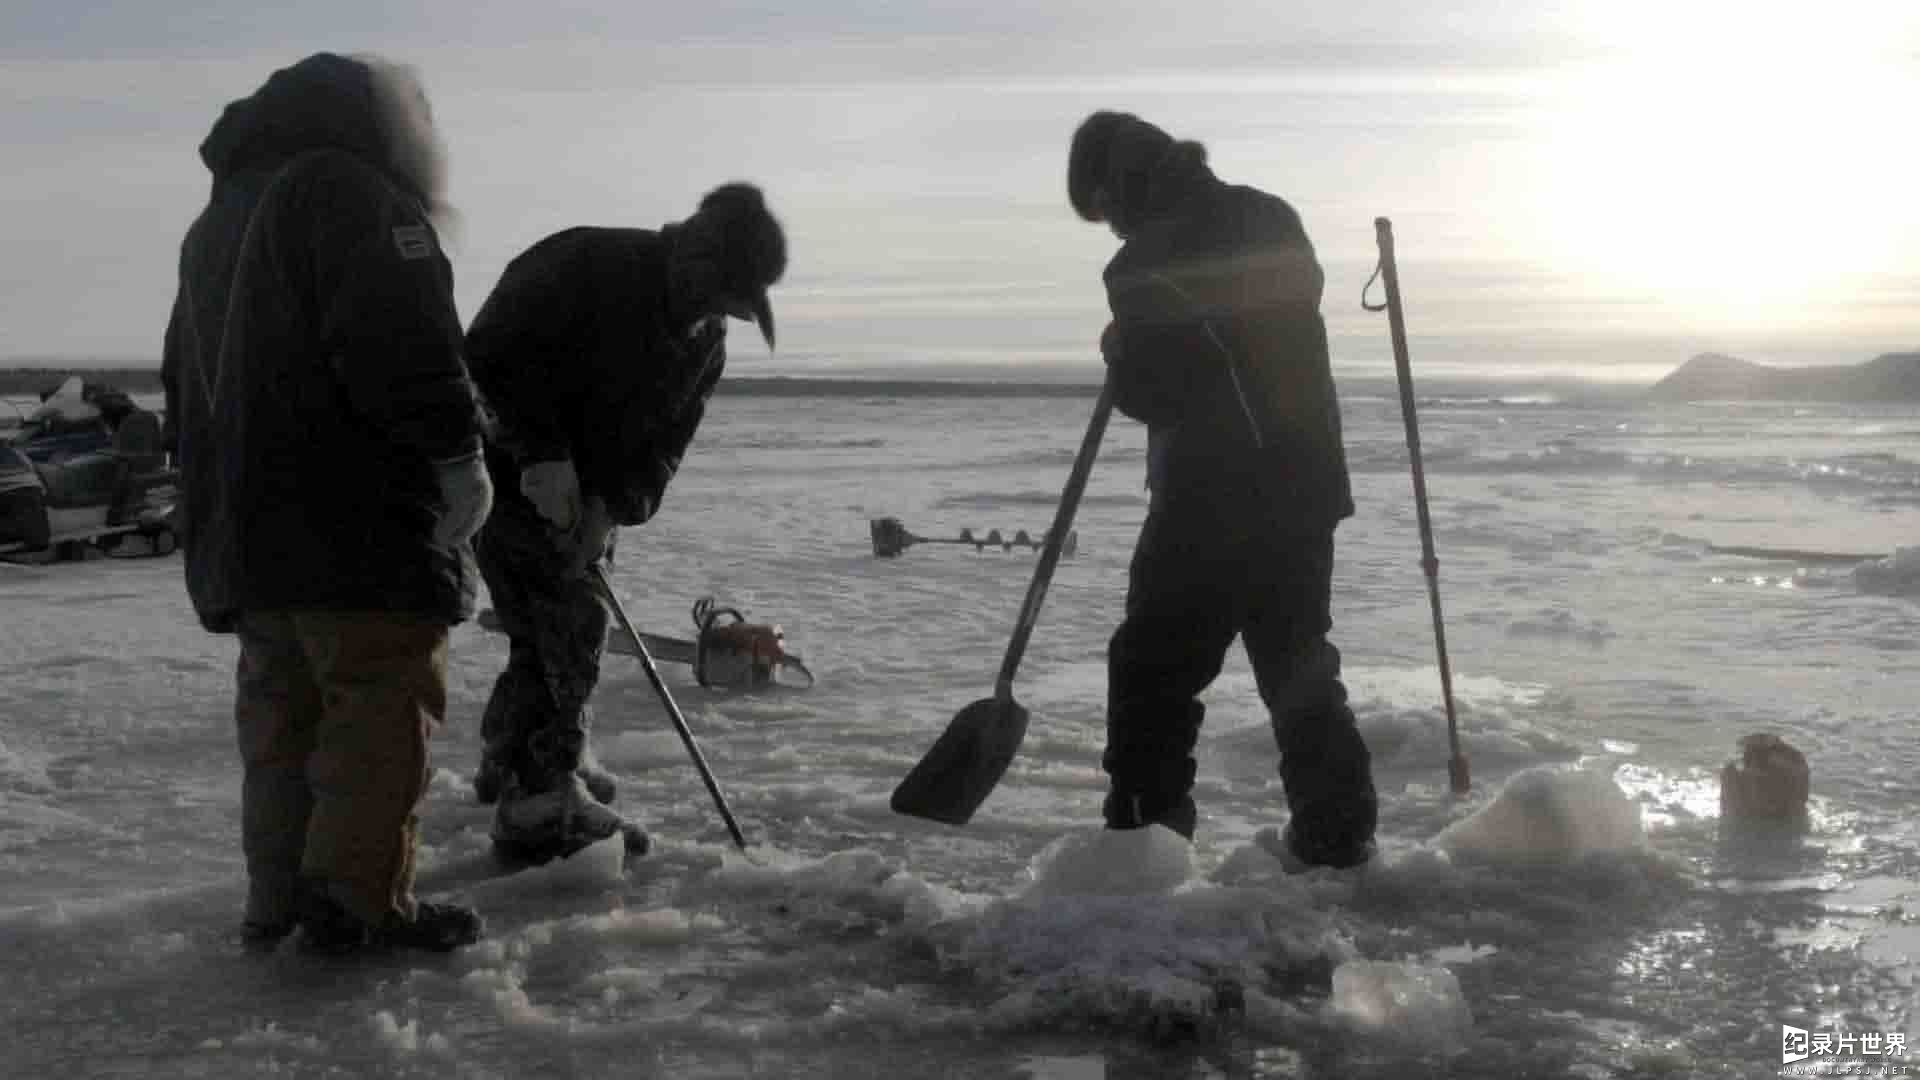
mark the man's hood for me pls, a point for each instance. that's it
(323, 101)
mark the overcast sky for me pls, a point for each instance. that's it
(1598, 187)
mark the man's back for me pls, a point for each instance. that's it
(1227, 348)
(312, 364)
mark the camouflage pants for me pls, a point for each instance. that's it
(536, 723)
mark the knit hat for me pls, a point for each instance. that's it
(1107, 148)
(752, 248)
(1142, 169)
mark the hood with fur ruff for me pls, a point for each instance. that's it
(368, 106)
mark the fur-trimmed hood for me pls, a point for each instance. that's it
(366, 105)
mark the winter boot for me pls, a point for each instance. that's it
(434, 927)
(1134, 812)
(489, 779)
(327, 928)
(268, 922)
(600, 782)
(1298, 858)
(263, 937)
(539, 827)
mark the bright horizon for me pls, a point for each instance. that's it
(1602, 189)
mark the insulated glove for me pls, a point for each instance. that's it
(466, 495)
(554, 490)
(590, 539)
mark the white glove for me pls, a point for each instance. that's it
(554, 490)
(466, 495)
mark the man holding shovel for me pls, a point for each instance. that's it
(596, 354)
(1218, 346)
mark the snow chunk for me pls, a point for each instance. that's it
(1410, 1004)
(1549, 812)
(1116, 929)
(1112, 862)
(406, 1038)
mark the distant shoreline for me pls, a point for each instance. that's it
(31, 382)
(34, 381)
(25, 382)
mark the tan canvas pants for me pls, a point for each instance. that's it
(334, 711)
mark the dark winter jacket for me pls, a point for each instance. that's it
(1217, 345)
(578, 355)
(312, 365)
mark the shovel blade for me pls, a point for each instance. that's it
(964, 764)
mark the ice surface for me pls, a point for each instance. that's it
(1402, 714)
(1549, 812)
(850, 942)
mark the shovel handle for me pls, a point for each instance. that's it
(1056, 540)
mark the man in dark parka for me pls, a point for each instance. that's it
(1218, 346)
(328, 439)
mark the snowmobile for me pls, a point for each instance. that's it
(69, 420)
(44, 439)
(61, 505)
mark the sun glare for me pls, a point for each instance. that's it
(1746, 165)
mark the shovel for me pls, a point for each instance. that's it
(971, 756)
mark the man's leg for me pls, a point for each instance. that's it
(569, 633)
(551, 808)
(1170, 646)
(1324, 764)
(517, 706)
(537, 719)
(277, 710)
(383, 685)
(511, 549)
(536, 763)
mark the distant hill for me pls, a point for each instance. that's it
(1893, 377)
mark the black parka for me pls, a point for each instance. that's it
(1218, 346)
(312, 365)
(578, 355)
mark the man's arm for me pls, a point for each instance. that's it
(1182, 306)
(386, 317)
(655, 439)
(1161, 350)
